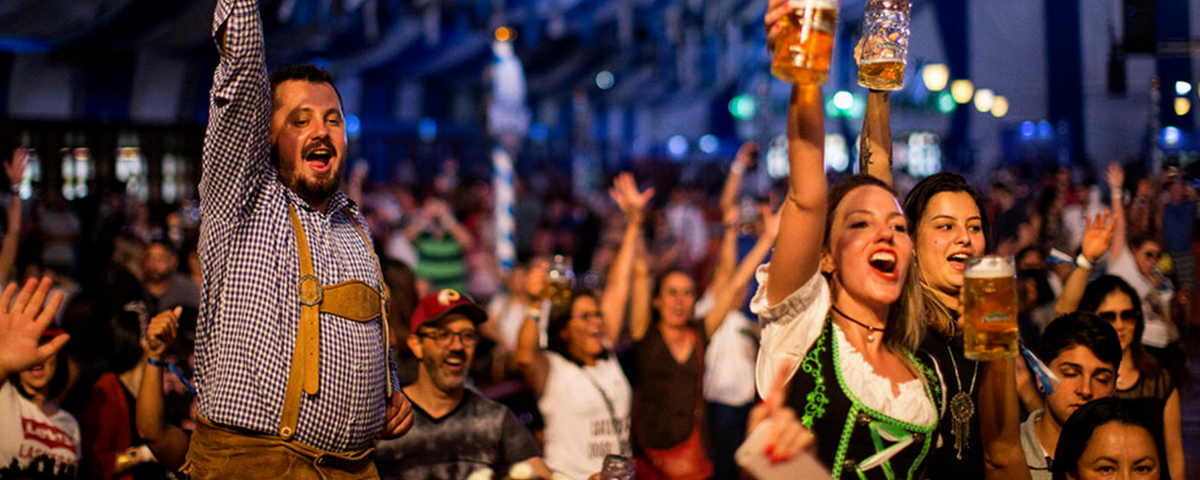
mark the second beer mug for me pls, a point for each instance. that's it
(990, 308)
(806, 42)
(884, 44)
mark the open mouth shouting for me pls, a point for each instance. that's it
(455, 364)
(883, 262)
(958, 261)
(318, 155)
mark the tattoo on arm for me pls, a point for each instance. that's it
(864, 150)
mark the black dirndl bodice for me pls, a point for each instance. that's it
(853, 440)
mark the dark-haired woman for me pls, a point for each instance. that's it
(583, 394)
(112, 447)
(1120, 303)
(1110, 438)
(666, 364)
(948, 228)
(1140, 376)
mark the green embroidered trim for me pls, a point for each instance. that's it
(862, 406)
(931, 386)
(815, 401)
(839, 459)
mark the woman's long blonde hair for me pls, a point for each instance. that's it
(905, 328)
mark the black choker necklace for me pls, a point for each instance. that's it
(870, 330)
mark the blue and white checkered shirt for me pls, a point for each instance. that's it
(251, 312)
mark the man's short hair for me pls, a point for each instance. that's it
(165, 245)
(305, 73)
(1081, 329)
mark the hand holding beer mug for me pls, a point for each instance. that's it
(884, 46)
(800, 33)
(990, 308)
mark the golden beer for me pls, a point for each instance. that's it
(881, 74)
(990, 308)
(806, 43)
(559, 280)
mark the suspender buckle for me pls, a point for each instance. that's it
(310, 296)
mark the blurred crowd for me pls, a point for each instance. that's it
(118, 264)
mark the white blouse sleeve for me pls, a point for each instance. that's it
(789, 328)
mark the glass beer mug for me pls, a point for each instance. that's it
(884, 50)
(805, 45)
(990, 308)
(560, 278)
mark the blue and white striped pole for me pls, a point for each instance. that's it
(505, 197)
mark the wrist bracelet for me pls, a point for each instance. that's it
(175, 370)
(1082, 262)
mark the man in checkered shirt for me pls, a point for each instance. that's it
(292, 366)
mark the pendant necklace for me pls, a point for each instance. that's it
(870, 329)
(961, 407)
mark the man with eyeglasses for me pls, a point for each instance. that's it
(456, 431)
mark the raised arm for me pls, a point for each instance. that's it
(1000, 421)
(168, 442)
(530, 358)
(1097, 238)
(639, 301)
(1116, 184)
(737, 171)
(727, 254)
(875, 144)
(21, 326)
(236, 148)
(797, 256)
(15, 169)
(726, 298)
(616, 290)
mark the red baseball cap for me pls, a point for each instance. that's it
(436, 306)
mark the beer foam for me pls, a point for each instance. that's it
(991, 267)
(816, 4)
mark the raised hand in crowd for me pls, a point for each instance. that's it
(632, 203)
(630, 200)
(168, 442)
(1097, 240)
(24, 315)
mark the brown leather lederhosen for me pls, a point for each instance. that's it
(218, 451)
(352, 299)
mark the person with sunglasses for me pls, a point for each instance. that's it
(456, 430)
(1135, 260)
(1120, 304)
(1140, 376)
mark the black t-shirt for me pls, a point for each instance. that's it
(665, 391)
(478, 434)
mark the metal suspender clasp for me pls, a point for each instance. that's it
(310, 296)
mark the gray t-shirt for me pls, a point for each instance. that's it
(478, 434)
(1035, 456)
